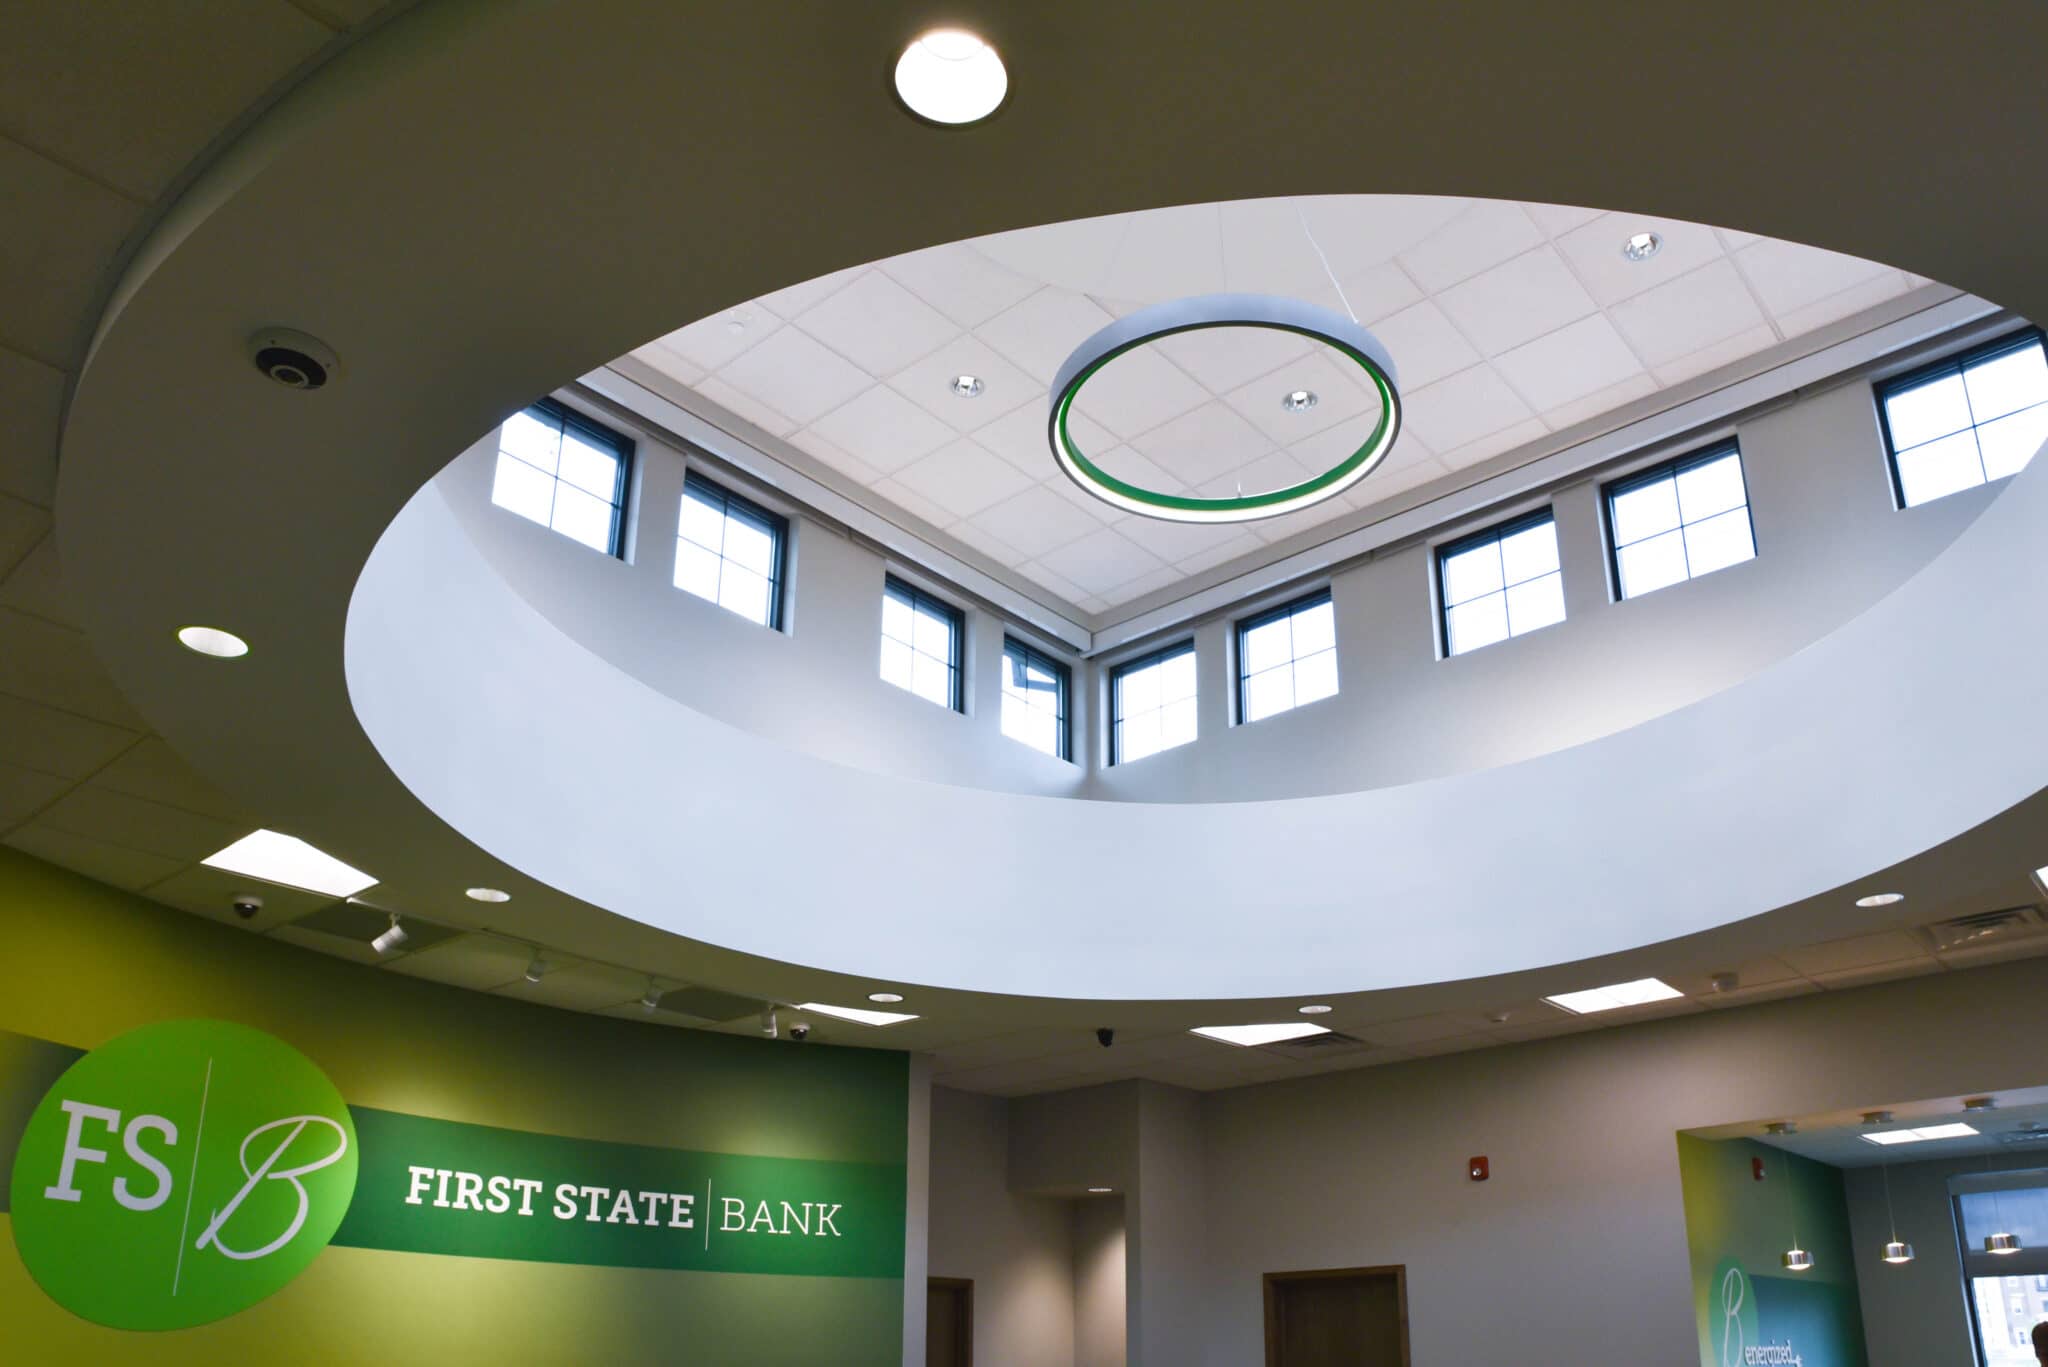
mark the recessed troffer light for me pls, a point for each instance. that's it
(885, 998)
(487, 895)
(1642, 246)
(1299, 400)
(221, 645)
(951, 76)
(856, 1014)
(1638, 993)
(966, 386)
(278, 858)
(1881, 899)
(1919, 1135)
(2041, 877)
(1251, 1036)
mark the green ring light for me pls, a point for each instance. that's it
(1333, 330)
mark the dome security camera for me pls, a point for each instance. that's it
(246, 905)
(799, 1030)
(293, 359)
(1105, 1037)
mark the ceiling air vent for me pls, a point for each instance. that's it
(1330, 1045)
(2033, 1135)
(1967, 932)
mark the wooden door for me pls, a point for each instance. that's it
(949, 1322)
(1343, 1317)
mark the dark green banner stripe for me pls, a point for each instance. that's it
(28, 1068)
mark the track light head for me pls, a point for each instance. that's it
(391, 938)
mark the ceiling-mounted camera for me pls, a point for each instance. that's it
(246, 905)
(1105, 1037)
(294, 359)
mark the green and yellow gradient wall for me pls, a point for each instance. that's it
(1764, 1314)
(83, 964)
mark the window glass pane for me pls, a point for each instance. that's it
(1927, 411)
(2008, 1308)
(931, 634)
(589, 468)
(1471, 572)
(1267, 693)
(569, 481)
(584, 518)
(1154, 706)
(1315, 677)
(1138, 691)
(1177, 723)
(896, 657)
(2022, 1212)
(1715, 487)
(931, 679)
(520, 488)
(896, 615)
(696, 570)
(744, 592)
(1478, 623)
(532, 440)
(749, 546)
(1529, 552)
(1645, 511)
(1034, 701)
(1536, 603)
(2008, 444)
(1939, 468)
(1719, 542)
(1315, 628)
(1177, 677)
(1267, 646)
(1270, 656)
(1651, 565)
(2008, 383)
(701, 522)
(1138, 736)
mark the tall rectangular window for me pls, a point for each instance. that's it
(921, 641)
(560, 469)
(1286, 657)
(1152, 703)
(730, 551)
(1501, 583)
(1680, 520)
(1967, 420)
(2005, 1300)
(1035, 688)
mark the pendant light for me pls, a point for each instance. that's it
(2002, 1244)
(1795, 1258)
(1895, 1251)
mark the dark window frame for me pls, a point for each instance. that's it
(955, 617)
(1496, 534)
(775, 524)
(1117, 674)
(1671, 469)
(1954, 364)
(1246, 625)
(1063, 706)
(618, 443)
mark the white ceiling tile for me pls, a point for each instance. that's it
(1220, 553)
(212, 892)
(1105, 514)
(1137, 392)
(1493, 444)
(36, 587)
(745, 407)
(576, 986)
(1878, 973)
(910, 501)
(1385, 484)
(46, 663)
(1594, 251)
(32, 397)
(1036, 521)
(139, 824)
(1488, 233)
(1859, 951)
(710, 342)
(24, 792)
(1601, 401)
(1041, 332)
(1358, 232)
(1100, 561)
(960, 282)
(154, 771)
(57, 742)
(59, 234)
(1516, 301)
(1881, 289)
(670, 362)
(1177, 542)
(877, 324)
(1020, 437)
(1169, 254)
(1073, 255)
(883, 429)
(1126, 464)
(1788, 276)
(1200, 445)
(789, 302)
(340, 947)
(1317, 519)
(1454, 412)
(1222, 358)
(1142, 585)
(1688, 314)
(1734, 239)
(837, 457)
(1266, 251)
(1424, 345)
(1341, 399)
(1004, 388)
(1741, 346)
(1569, 363)
(1274, 470)
(116, 864)
(480, 961)
(1057, 583)
(1770, 992)
(1559, 219)
(1379, 291)
(962, 478)
(795, 376)
(971, 534)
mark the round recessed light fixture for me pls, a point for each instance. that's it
(966, 386)
(1881, 899)
(951, 76)
(487, 895)
(1100, 1191)
(1977, 1104)
(737, 322)
(1336, 332)
(221, 645)
(1642, 246)
(1299, 400)
(885, 998)
(1314, 1009)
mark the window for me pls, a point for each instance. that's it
(564, 471)
(1966, 421)
(1035, 690)
(1681, 520)
(1286, 657)
(921, 643)
(1152, 703)
(2005, 1312)
(729, 551)
(1501, 583)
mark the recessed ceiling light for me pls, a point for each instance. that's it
(951, 76)
(286, 859)
(1299, 400)
(1881, 899)
(222, 645)
(1638, 993)
(1921, 1135)
(1100, 1191)
(1314, 1009)
(1642, 246)
(966, 386)
(1250, 1036)
(856, 1014)
(487, 895)
(885, 998)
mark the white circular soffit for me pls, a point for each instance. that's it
(951, 76)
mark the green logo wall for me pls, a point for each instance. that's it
(180, 1174)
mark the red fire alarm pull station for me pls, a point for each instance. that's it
(1479, 1169)
(1756, 1169)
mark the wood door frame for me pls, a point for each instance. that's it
(1270, 1281)
(965, 1286)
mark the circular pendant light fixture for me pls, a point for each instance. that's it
(1350, 342)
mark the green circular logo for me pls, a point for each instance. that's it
(180, 1174)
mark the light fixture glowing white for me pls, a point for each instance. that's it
(2002, 1244)
(1896, 1250)
(1314, 1009)
(222, 645)
(392, 938)
(487, 895)
(857, 1014)
(1299, 400)
(1881, 899)
(1920, 1135)
(537, 968)
(885, 998)
(1642, 246)
(966, 386)
(1100, 1191)
(1251, 1036)
(1641, 992)
(278, 858)
(1797, 1260)
(2041, 877)
(951, 76)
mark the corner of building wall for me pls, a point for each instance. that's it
(917, 1174)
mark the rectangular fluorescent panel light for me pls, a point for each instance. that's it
(2041, 877)
(1638, 993)
(1925, 1132)
(1250, 1036)
(286, 859)
(857, 1014)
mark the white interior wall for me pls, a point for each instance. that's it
(1099, 1282)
